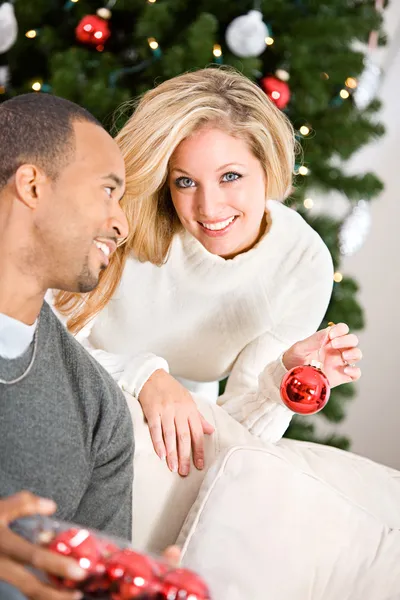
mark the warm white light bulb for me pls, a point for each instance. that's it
(303, 170)
(308, 203)
(337, 277)
(153, 43)
(217, 51)
(351, 82)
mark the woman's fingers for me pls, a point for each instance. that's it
(197, 431)
(353, 373)
(353, 355)
(154, 422)
(184, 443)
(344, 341)
(338, 330)
(208, 429)
(169, 434)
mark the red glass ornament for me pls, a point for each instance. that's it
(305, 389)
(131, 575)
(182, 584)
(277, 90)
(92, 30)
(84, 548)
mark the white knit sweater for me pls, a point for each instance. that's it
(204, 318)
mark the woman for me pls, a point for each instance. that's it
(216, 278)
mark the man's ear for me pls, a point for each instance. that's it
(28, 180)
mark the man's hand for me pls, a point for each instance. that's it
(172, 556)
(16, 553)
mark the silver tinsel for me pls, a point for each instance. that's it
(355, 229)
(368, 85)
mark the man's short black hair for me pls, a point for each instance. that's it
(38, 129)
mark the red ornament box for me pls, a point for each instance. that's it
(114, 570)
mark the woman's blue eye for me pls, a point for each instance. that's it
(184, 182)
(231, 176)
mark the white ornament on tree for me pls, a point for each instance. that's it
(355, 229)
(8, 27)
(368, 84)
(245, 36)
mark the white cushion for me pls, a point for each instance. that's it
(296, 521)
(162, 499)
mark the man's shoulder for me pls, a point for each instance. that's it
(78, 363)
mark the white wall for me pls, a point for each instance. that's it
(373, 421)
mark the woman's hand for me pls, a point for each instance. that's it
(175, 423)
(339, 354)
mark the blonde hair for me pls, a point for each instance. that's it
(163, 118)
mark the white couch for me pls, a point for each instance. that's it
(294, 521)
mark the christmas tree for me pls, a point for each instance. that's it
(305, 54)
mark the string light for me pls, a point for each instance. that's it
(152, 1)
(104, 13)
(269, 41)
(303, 170)
(37, 86)
(351, 82)
(324, 75)
(344, 94)
(282, 74)
(32, 33)
(153, 43)
(337, 277)
(217, 51)
(308, 203)
(275, 95)
(304, 130)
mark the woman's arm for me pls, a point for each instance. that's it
(252, 393)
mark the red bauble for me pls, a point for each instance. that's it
(277, 90)
(85, 549)
(305, 390)
(132, 574)
(92, 30)
(182, 584)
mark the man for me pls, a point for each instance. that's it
(65, 429)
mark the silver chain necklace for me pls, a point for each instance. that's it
(29, 368)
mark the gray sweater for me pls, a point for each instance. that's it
(66, 432)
